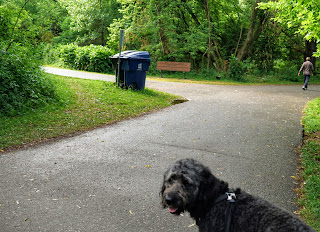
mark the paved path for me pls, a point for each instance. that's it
(109, 179)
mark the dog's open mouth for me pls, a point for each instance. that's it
(172, 209)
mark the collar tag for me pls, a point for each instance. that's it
(231, 197)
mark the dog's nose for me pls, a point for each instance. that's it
(169, 199)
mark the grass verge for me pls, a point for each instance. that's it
(222, 78)
(309, 193)
(84, 104)
(210, 77)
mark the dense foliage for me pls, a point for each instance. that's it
(86, 21)
(208, 32)
(22, 83)
(203, 32)
(300, 16)
(236, 69)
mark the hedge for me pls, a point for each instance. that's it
(92, 58)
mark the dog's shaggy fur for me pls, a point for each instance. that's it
(190, 186)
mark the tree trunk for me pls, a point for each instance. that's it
(310, 48)
(206, 6)
(163, 38)
(255, 28)
(103, 42)
(212, 41)
(14, 27)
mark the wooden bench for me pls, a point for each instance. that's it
(174, 66)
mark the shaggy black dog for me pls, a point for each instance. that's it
(190, 186)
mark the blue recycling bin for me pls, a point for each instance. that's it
(114, 60)
(133, 68)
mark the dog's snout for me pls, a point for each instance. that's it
(169, 200)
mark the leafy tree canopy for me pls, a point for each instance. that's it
(87, 21)
(302, 15)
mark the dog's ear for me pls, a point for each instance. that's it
(163, 188)
(210, 187)
(207, 183)
(206, 193)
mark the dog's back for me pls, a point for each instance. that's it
(190, 186)
(252, 214)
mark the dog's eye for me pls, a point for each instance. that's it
(172, 179)
(185, 181)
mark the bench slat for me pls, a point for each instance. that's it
(174, 66)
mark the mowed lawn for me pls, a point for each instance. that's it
(83, 105)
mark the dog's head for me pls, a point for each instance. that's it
(187, 185)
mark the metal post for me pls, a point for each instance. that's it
(121, 41)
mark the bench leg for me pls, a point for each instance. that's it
(160, 73)
(184, 75)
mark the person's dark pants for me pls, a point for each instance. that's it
(306, 80)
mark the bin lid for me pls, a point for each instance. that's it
(138, 55)
(134, 55)
(124, 53)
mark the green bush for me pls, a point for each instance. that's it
(82, 59)
(92, 58)
(250, 67)
(49, 55)
(99, 59)
(23, 85)
(286, 70)
(236, 69)
(67, 53)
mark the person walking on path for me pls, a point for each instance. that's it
(307, 68)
